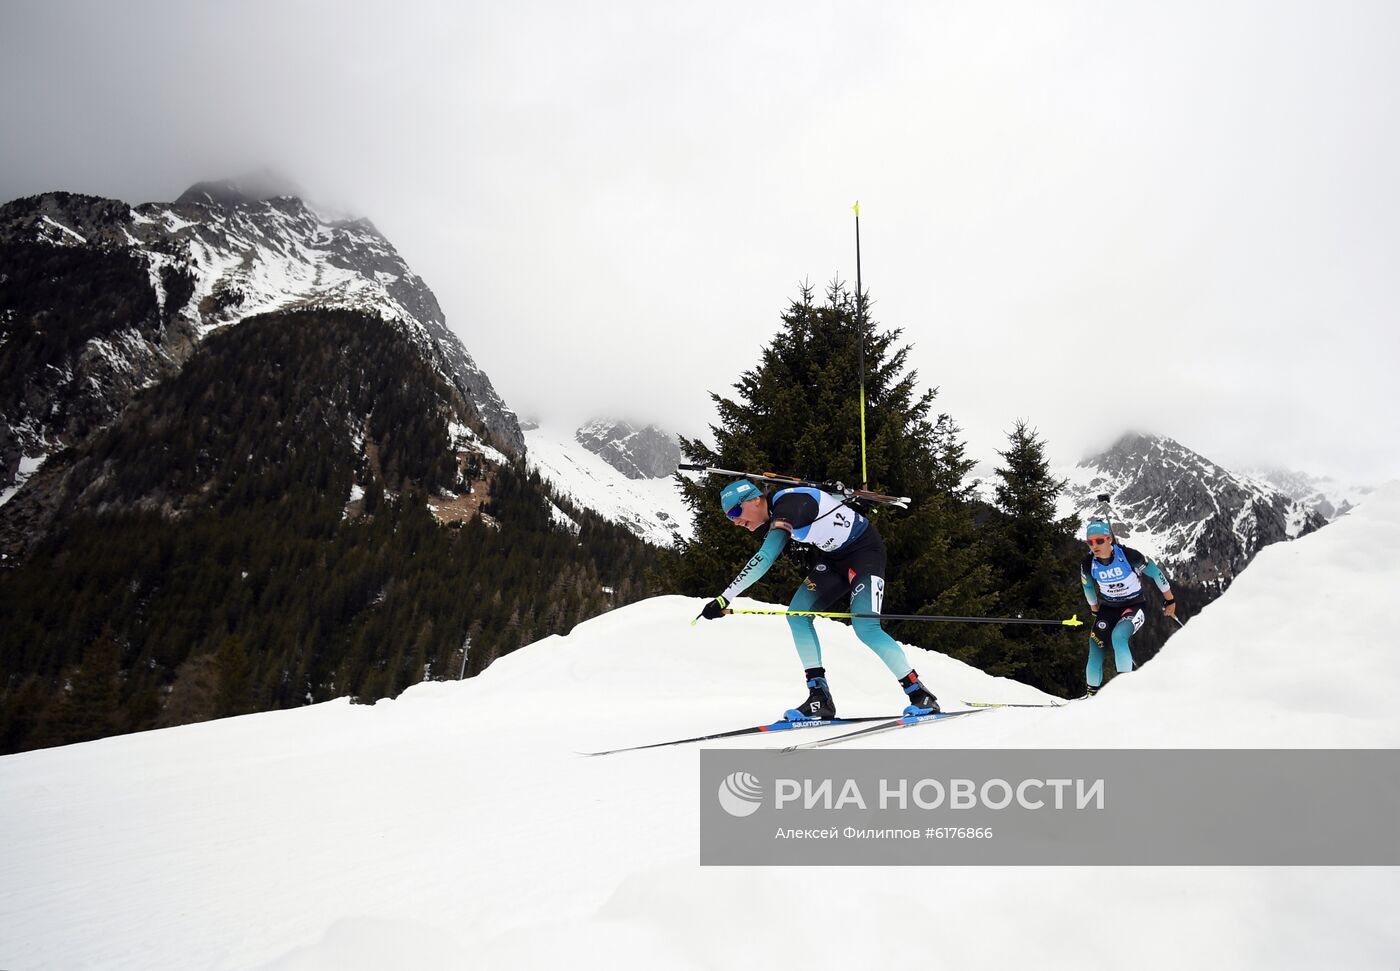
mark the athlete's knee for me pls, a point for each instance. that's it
(864, 626)
(870, 632)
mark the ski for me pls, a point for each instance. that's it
(777, 726)
(1007, 704)
(835, 488)
(888, 726)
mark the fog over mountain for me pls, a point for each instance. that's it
(1168, 195)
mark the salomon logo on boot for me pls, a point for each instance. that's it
(818, 706)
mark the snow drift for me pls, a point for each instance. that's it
(458, 827)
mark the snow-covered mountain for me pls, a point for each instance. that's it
(638, 453)
(244, 375)
(1204, 522)
(422, 833)
(214, 257)
(651, 508)
(1322, 494)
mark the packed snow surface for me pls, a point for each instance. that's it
(458, 827)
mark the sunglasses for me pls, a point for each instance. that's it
(1097, 540)
(736, 512)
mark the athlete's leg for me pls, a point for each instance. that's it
(804, 630)
(815, 593)
(1122, 633)
(821, 588)
(1100, 635)
(1093, 671)
(867, 597)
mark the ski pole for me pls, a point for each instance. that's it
(929, 618)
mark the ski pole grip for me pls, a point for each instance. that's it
(691, 467)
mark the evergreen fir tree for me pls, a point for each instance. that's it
(234, 678)
(194, 693)
(225, 565)
(798, 413)
(90, 709)
(1036, 559)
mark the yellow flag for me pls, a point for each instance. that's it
(856, 207)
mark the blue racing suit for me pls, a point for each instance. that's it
(1114, 587)
(851, 560)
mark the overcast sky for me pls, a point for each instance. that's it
(1182, 217)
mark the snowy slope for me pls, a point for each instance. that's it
(651, 508)
(456, 826)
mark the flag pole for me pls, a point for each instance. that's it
(860, 351)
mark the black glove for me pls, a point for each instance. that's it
(714, 609)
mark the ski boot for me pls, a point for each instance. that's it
(921, 702)
(818, 706)
(1093, 689)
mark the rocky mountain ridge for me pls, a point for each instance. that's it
(638, 453)
(1204, 522)
(213, 258)
(1324, 495)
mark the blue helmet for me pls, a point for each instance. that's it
(737, 492)
(1098, 527)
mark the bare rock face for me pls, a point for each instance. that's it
(100, 299)
(638, 453)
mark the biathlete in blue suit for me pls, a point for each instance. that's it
(851, 560)
(1109, 574)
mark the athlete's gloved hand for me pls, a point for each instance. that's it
(714, 609)
(1170, 609)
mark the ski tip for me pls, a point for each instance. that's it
(1073, 622)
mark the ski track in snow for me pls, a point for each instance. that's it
(457, 826)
